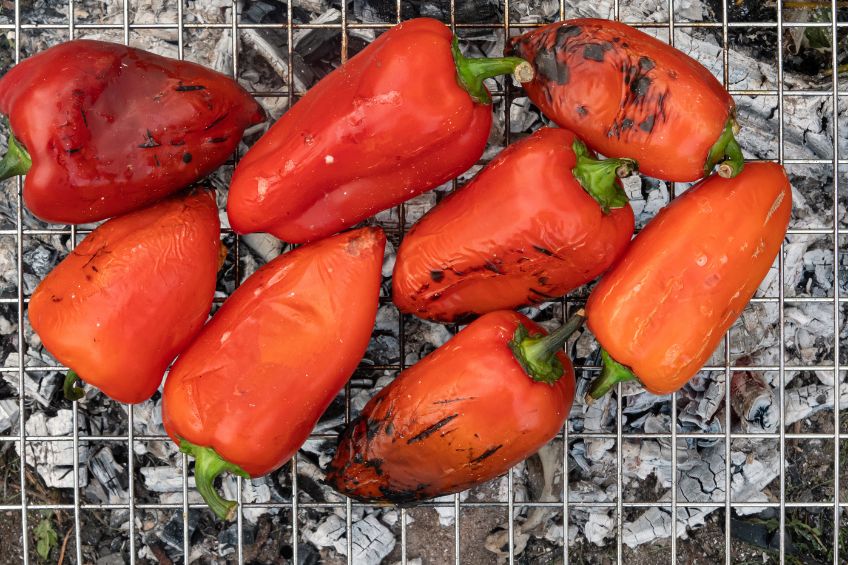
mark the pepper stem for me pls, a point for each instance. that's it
(599, 177)
(16, 161)
(726, 153)
(70, 388)
(537, 353)
(471, 72)
(612, 374)
(207, 466)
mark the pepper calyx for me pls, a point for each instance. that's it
(16, 161)
(471, 72)
(71, 390)
(207, 466)
(599, 177)
(536, 353)
(612, 373)
(726, 153)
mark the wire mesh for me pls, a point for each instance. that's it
(294, 505)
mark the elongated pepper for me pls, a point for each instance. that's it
(406, 114)
(663, 309)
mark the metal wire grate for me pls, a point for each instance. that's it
(20, 27)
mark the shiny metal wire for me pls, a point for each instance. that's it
(19, 27)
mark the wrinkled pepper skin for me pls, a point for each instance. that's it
(664, 308)
(522, 232)
(628, 94)
(110, 128)
(252, 385)
(461, 416)
(392, 122)
(132, 295)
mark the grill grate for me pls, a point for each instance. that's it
(26, 504)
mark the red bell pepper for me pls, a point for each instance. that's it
(101, 129)
(466, 413)
(540, 220)
(131, 296)
(246, 394)
(404, 115)
(628, 94)
(663, 309)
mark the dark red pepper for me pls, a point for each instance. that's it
(540, 220)
(101, 129)
(628, 94)
(404, 115)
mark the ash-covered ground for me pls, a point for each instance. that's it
(150, 471)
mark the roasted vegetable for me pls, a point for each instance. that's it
(466, 413)
(404, 115)
(247, 393)
(101, 129)
(540, 220)
(627, 94)
(131, 296)
(662, 310)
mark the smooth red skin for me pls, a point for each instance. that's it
(83, 108)
(393, 121)
(689, 106)
(523, 231)
(132, 295)
(664, 308)
(483, 413)
(260, 374)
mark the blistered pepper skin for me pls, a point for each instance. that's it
(664, 308)
(110, 128)
(461, 416)
(255, 381)
(627, 94)
(131, 296)
(523, 231)
(387, 125)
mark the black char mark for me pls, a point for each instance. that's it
(542, 250)
(452, 400)
(217, 121)
(437, 276)
(189, 87)
(640, 86)
(376, 464)
(646, 64)
(626, 123)
(486, 454)
(432, 429)
(564, 32)
(549, 67)
(594, 52)
(217, 140)
(648, 124)
(149, 142)
(582, 111)
(186, 157)
(490, 266)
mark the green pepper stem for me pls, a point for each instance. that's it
(726, 153)
(16, 161)
(537, 353)
(471, 72)
(599, 177)
(70, 388)
(612, 374)
(207, 466)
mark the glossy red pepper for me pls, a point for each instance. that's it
(101, 129)
(628, 94)
(487, 399)
(248, 391)
(540, 220)
(663, 309)
(404, 115)
(131, 296)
